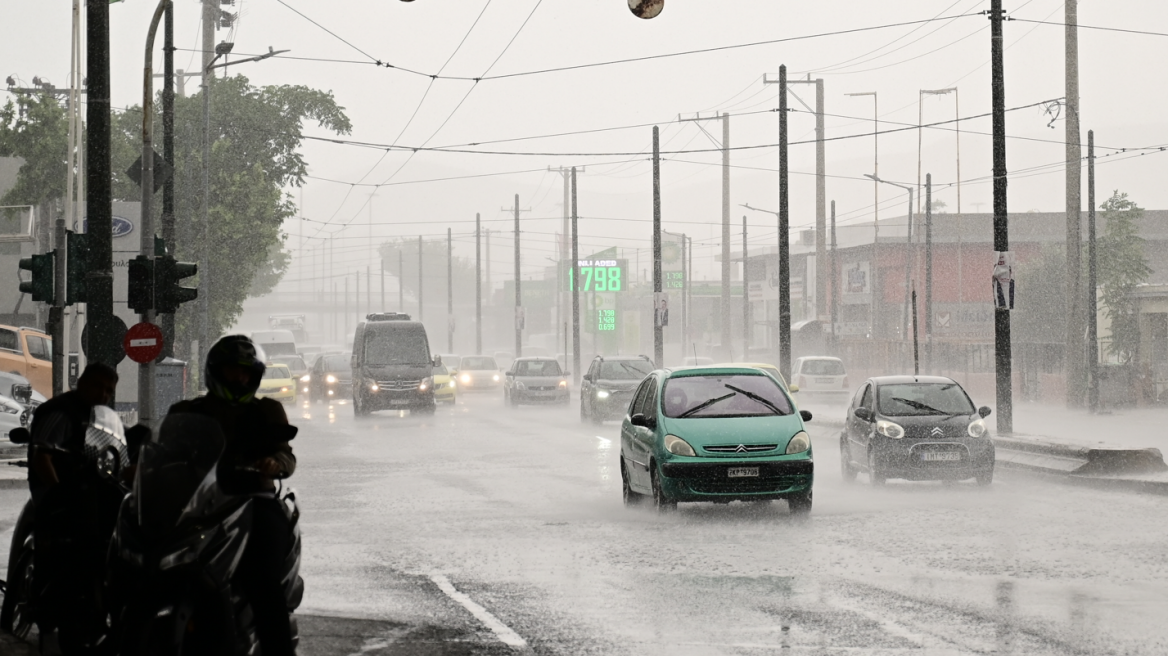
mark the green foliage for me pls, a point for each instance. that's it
(256, 136)
(1122, 267)
(35, 128)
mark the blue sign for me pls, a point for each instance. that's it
(121, 226)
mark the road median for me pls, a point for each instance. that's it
(1141, 469)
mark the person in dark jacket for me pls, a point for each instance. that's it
(256, 453)
(72, 518)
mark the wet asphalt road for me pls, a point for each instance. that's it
(492, 530)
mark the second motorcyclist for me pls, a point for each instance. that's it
(257, 452)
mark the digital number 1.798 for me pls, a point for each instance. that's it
(598, 279)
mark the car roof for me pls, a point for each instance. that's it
(713, 369)
(529, 358)
(820, 357)
(905, 379)
(617, 358)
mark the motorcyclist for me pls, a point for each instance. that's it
(72, 520)
(256, 452)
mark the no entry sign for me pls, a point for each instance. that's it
(143, 342)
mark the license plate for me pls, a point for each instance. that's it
(399, 402)
(825, 381)
(742, 472)
(940, 456)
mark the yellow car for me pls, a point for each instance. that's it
(773, 371)
(278, 384)
(444, 387)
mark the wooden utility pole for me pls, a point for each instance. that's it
(1074, 309)
(1003, 365)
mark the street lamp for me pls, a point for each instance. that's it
(874, 268)
(909, 259)
(783, 274)
(920, 130)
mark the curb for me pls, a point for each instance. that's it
(1028, 452)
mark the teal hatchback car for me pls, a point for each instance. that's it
(721, 434)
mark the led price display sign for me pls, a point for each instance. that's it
(605, 320)
(600, 276)
(674, 279)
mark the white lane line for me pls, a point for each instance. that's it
(501, 630)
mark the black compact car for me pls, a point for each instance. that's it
(609, 384)
(330, 379)
(915, 428)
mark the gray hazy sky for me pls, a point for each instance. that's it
(1120, 101)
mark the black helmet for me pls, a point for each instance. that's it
(233, 350)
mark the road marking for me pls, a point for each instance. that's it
(501, 630)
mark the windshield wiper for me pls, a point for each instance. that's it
(755, 397)
(628, 367)
(918, 405)
(704, 405)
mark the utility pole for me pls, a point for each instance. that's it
(478, 285)
(401, 273)
(421, 259)
(724, 145)
(565, 248)
(746, 327)
(449, 292)
(575, 285)
(381, 264)
(168, 237)
(684, 298)
(208, 31)
(820, 193)
(1092, 309)
(1075, 328)
(100, 279)
(519, 316)
(658, 315)
(928, 273)
(784, 237)
(1003, 365)
(874, 265)
(834, 286)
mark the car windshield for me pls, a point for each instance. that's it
(336, 363)
(396, 347)
(918, 399)
(624, 369)
(277, 371)
(440, 370)
(295, 363)
(537, 368)
(724, 395)
(822, 368)
(479, 363)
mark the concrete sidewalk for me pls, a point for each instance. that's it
(1133, 428)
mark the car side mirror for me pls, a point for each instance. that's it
(509, 374)
(793, 388)
(437, 360)
(984, 411)
(641, 420)
(805, 414)
(567, 374)
(863, 413)
(19, 435)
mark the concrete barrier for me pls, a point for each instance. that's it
(1080, 460)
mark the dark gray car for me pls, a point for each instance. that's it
(536, 380)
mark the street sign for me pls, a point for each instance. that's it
(143, 342)
(162, 171)
(119, 331)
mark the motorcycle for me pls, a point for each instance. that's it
(178, 543)
(65, 600)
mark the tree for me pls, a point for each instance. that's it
(36, 129)
(256, 136)
(434, 269)
(1121, 267)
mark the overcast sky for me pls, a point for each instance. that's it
(1120, 101)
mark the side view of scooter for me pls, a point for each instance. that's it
(177, 547)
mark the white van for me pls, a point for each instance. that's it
(275, 342)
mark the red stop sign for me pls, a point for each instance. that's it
(143, 342)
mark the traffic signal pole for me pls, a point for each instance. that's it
(98, 192)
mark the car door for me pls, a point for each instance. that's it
(861, 431)
(40, 363)
(586, 385)
(633, 464)
(643, 438)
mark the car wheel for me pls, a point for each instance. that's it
(360, 407)
(583, 411)
(427, 409)
(800, 504)
(875, 476)
(629, 497)
(513, 400)
(847, 470)
(985, 479)
(661, 502)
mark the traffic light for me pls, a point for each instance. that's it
(41, 285)
(140, 295)
(77, 246)
(168, 294)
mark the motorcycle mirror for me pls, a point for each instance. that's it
(646, 8)
(19, 435)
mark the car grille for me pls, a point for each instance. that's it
(541, 388)
(740, 448)
(398, 385)
(714, 486)
(269, 389)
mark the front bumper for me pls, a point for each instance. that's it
(905, 458)
(560, 395)
(614, 406)
(484, 382)
(288, 396)
(399, 399)
(692, 480)
(445, 393)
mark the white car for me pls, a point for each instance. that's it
(479, 372)
(821, 378)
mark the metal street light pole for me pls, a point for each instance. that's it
(874, 267)
(910, 252)
(920, 135)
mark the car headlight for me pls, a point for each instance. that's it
(678, 446)
(602, 394)
(977, 428)
(305, 378)
(426, 384)
(889, 429)
(563, 383)
(496, 378)
(373, 387)
(330, 378)
(465, 379)
(452, 383)
(799, 443)
(283, 389)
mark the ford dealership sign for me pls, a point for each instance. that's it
(121, 226)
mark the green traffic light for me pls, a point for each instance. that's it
(40, 287)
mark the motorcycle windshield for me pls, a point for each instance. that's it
(173, 465)
(105, 440)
